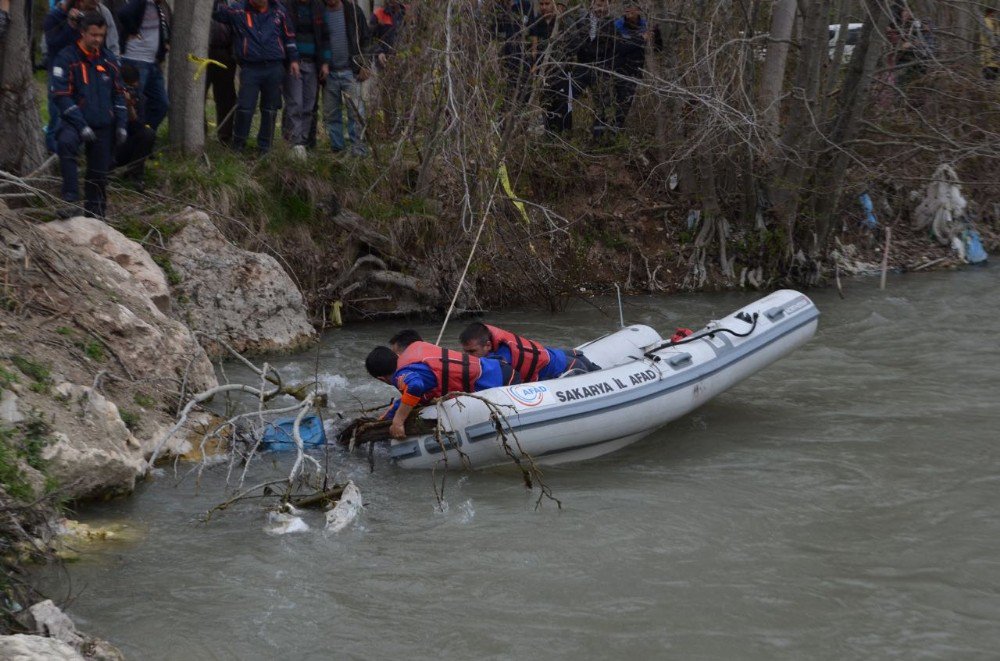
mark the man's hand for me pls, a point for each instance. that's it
(397, 430)
(364, 74)
(121, 135)
(293, 69)
(324, 71)
(87, 134)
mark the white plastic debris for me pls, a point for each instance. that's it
(282, 523)
(346, 509)
(943, 205)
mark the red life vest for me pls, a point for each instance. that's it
(455, 371)
(527, 357)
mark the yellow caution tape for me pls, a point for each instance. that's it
(505, 182)
(203, 63)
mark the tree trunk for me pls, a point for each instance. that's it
(851, 103)
(773, 72)
(20, 122)
(187, 96)
(799, 136)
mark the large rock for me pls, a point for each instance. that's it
(112, 244)
(95, 454)
(21, 647)
(241, 297)
(116, 307)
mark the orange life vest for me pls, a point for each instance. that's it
(382, 16)
(455, 371)
(527, 357)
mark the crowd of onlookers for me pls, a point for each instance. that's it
(108, 92)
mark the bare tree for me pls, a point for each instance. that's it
(189, 37)
(772, 75)
(20, 123)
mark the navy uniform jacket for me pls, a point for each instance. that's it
(260, 37)
(87, 89)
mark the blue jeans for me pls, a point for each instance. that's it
(342, 88)
(263, 80)
(152, 92)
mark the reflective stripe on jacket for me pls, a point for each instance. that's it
(455, 371)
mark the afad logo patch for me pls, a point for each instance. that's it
(529, 395)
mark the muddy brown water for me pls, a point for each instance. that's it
(842, 504)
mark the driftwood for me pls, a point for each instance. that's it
(357, 227)
(320, 499)
(370, 430)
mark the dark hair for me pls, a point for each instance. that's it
(405, 338)
(381, 362)
(475, 331)
(130, 75)
(92, 19)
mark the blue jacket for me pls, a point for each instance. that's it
(266, 36)
(87, 88)
(416, 380)
(558, 361)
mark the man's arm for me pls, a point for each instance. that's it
(398, 427)
(225, 14)
(61, 88)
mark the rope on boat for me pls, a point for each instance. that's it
(468, 262)
(709, 334)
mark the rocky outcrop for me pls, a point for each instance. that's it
(94, 453)
(79, 333)
(22, 647)
(112, 244)
(243, 298)
(57, 639)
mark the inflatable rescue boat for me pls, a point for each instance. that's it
(645, 382)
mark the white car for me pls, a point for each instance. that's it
(853, 36)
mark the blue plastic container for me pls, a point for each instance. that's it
(278, 434)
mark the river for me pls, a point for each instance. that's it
(841, 504)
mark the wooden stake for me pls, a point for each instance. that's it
(836, 278)
(885, 256)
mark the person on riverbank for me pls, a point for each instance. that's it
(265, 41)
(425, 371)
(632, 32)
(146, 25)
(530, 359)
(312, 39)
(138, 145)
(222, 80)
(550, 52)
(349, 67)
(595, 56)
(86, 89)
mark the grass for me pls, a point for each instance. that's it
(32, 370)
(7, 378)
(23, 443)
(145, 401)
(131, 419)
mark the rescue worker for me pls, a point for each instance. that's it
(531, 360)
(403, 339)
(86, 89)
(265, 42)
(425, 371)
